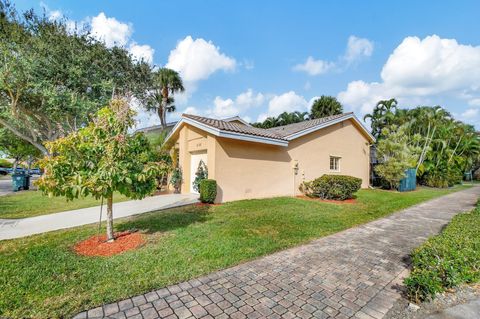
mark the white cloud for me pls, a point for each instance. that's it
(358, 48)
(419, 71)
(140, 52)
(191, 110)
(110, 30)
(314, 67)
(474, 102)
(286, 102)
(55, 15)
(469, 113)
(243, 102)
(198, 59)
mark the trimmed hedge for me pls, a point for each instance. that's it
(338, 187)
(208, 190)
(448, 259)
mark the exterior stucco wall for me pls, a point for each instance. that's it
(253, 170)
(343, 140)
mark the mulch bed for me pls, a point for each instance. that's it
(332, 201)
(98, 245)
(207, 204)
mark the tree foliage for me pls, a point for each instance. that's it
(283, 119)
(396, 153)
(165, 84)
(53, 77)
(101, 159)
(383, 115)
(447, 147)
(16, 148)
(325, 106)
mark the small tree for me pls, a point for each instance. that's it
(200, 175)
(17, 149)
(101, 159)
(395, 154)
(325, 106)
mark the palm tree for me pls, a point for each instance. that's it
(382, 116)
(325, 106)
(166, 83)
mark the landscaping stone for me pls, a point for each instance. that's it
(355, 273)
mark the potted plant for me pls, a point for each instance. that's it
(176, 179)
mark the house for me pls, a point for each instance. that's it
(250, 162)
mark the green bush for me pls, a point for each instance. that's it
(447, 260)
(5, 163)
(208, 190)
(339, 187)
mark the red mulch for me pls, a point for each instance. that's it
(207, 204)
(346, 201)
(98, 245)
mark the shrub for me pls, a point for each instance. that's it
(208, 190)
(448, 259)
(339, 187)
(200, 175)
(5, 163)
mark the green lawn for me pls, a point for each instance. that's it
(32, 203)
(41, 276)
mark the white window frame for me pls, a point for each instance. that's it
(337, 159)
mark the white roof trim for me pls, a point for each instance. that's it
(226, 134)
(329, 123)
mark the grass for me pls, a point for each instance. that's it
(447, 260)
(32, 203)
(40, 276)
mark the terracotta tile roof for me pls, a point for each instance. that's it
(234, 127)
(290, 129)
(280, 133)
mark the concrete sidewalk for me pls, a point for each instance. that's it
(15, 228)
(469, 310)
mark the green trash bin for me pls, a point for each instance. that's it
(18, 181)
(26, 185)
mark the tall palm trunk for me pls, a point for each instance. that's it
(110, 236)
(163, 108)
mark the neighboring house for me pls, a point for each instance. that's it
(157, 129)
(249, 162)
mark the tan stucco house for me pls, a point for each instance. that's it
(249, 162)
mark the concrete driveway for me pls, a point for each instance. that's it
(15, 228)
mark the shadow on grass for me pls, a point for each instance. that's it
(162, 221)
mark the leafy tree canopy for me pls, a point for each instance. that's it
(100, 159)
(16, 148)
(53, 77)
(396, 153)
(325, 106)
(283, 119)
(448, 148)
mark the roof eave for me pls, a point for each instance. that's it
(329, 123)
(226, 134)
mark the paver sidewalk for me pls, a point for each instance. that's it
(352, 274)
(15, 228)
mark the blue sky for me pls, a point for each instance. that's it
(259, 58)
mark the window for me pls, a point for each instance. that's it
(335, 163)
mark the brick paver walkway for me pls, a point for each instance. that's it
(352, 274)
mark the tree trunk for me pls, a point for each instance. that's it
(164, 106)
(110, 236)
(28, 139)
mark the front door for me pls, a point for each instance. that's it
(194, 161)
